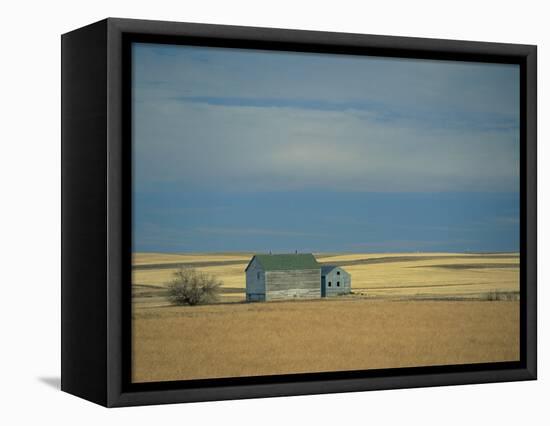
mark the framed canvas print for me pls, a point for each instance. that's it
(252, 212)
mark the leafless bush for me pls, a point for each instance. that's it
(191, 287)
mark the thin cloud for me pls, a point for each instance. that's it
(377, 111)
(257, 148)
(258, 231)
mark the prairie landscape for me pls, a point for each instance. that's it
(404, 172)
(406, 309)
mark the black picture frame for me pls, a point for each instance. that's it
(96, 207)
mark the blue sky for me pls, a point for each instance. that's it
(247, 150)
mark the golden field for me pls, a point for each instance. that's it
(180, 343)
(385, 275)
(406, 310)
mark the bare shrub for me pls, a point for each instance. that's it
(191, 287)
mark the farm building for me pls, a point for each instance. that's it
(334, 281)
(293, 276)
(282, 276)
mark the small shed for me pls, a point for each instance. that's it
(282, 276)
(334, 281)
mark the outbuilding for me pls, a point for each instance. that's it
(335, 281)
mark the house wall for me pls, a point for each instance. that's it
(345, 282)
(255, 282)
(295, 284)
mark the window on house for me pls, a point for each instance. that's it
(330, 283)
(337, 283)
(337, 272)
(257, 275)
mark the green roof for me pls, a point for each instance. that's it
(286, 262)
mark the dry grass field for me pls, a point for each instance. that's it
(182, 343)
(405, 310)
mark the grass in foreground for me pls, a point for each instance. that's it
(230, 340)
